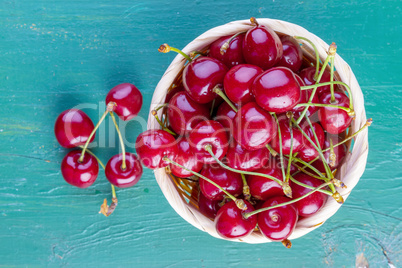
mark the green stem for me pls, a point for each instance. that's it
(219, 91)
(226, 45)
(165, 48)
(246, 188)
(123, 149)
(309, 166)
(309, 186)
(348, 110)
(92, 134)
(317, 55)
(208, 148)
(291, 150)
(314, 89)
(271, 150)
(155, 114)
(332, 78)
(280, 148)
(249, 214)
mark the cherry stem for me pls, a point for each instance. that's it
(317, 55)
(109, 108)
(249, 214)
(123, 149)
(165, 48)
(155, 114)
(291, 148)
(219, 91)
(309, 166)
(238, 203)
(208, 148)
(271, 150)
(327, 169)
(315, 86)
(114, 197)
(348, 110)
(309, 186)
(280, 148)
(253, 20)
(197, 52)
(161, 106)
(246, 188)
(226, 45)
(212, 107)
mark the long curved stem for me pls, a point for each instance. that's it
(249, 214)
(165, 48)
(108, 109)
(317, 55)
(123, 149)
(309, 187)
(209, 149)
(219, 91)
(348, 110)
(280, 148)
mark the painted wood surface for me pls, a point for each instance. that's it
(56, 55)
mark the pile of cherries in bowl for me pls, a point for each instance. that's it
(261, 129)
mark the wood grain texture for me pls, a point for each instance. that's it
(57, 55)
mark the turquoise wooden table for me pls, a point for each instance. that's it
(56, 55)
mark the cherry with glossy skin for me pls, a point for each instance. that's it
(277, 90)
(207, 206)
(208, 133)
(339, 151)
(286, 137)
(128, 100)
(263, 188)
(334, 120)
(230, 222)
(173, 92)
(127, 177)
(186, 158)
(308, 152)
(307, 74)
(228, 180)
(238, 82)
(184, 113)
(312, 203)
(201, 76)
(225, 116)
(278, 223)
(253, 127)
(233, 55)
(73, 128)
(292, 56)
(304, 98)
(239, 158)
(262, 47)
(80, 174)
(154, 144)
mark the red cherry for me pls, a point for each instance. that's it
(292, 57)
(173, 92)
(186, 158)
(207, 206)
(339, 151)
(228, 180)
(238, 82)
(307, 75)
(82, 174)
(128, 100)
(278, 223)
(152, 145)
(308, 152)
(201, 76)
(312, 203)
(209, 133)
(230, 222)
(233, 55)
(253, 127)
(73, 128)
(262, 47)
(184, 113)
(305, 97)
(277, 90)
(264, 188)
(239, 158)
(225, 116)
(127, 177)
(334, 120)
(286, 138)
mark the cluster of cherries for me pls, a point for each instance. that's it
(74, 128)
(261, 132)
